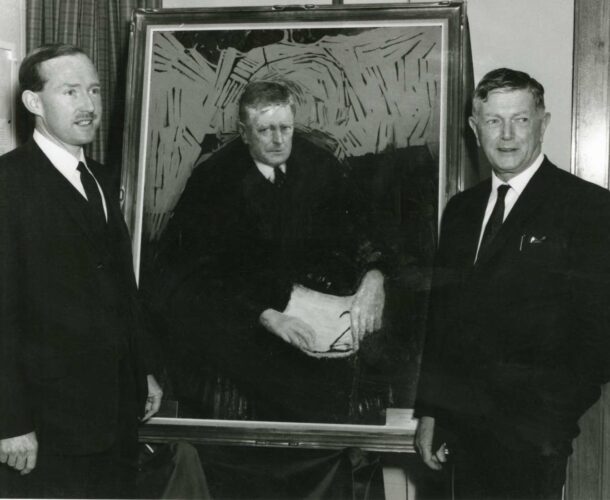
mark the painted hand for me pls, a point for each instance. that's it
(366, 313)
(153, 401)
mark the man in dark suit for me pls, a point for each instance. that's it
(519, 336)
(75, 375)
(266, 212)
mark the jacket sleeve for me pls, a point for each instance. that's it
(568, 394)
(428, 398)
(590, 287)
(15, 418)
(563, 393)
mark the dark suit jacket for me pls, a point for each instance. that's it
(519, 342)
(67, 308)
(233, 233)
(235, 246)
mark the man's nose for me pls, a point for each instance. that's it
(507, 130)
(87, 102)
(276, 136)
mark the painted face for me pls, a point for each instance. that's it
(69, 107)
(268, 133)
(510, 129)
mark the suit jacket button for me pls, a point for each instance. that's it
(100, 266)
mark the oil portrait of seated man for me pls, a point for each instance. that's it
(288, 225)
(268, 215)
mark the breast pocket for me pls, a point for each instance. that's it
(539, 273)
(543, 250)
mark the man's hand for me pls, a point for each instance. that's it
(153, 401)
(423, 442)
(290, 329)
(20, 452)
(366, 313)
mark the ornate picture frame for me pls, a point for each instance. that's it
(378, 86)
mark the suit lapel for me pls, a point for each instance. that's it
(253, 182)
(537, 191)
(472, 227)
(460, 237)
(114, 213)
(52, 182)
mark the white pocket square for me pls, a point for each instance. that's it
(529, 239)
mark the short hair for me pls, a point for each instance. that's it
(29, 72)
(259, 93)
(508, 79)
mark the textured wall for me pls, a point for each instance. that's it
(12, 36)
(12, 24)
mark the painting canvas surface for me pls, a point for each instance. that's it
(374, 95)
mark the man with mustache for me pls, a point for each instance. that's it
(269, 210)
(76, 374)
(519, 324)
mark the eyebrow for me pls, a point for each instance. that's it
(73, 85)
(522, 112)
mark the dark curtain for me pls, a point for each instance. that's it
(101, 29)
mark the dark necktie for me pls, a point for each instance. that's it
(93, 194)
(279, 177)
(495, 220)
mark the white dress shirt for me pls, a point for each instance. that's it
(67, 164)
(516, 186)
(269, 172)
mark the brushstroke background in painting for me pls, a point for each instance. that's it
(360, 91)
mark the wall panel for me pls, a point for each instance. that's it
(589, 470)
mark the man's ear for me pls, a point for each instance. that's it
(31, 101)
(472, 121)
(544, 124)
(241, 128)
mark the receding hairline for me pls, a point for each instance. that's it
(477, 100)
(506, 80)
(259, 94)
(30, 77)
(54, 60)
(260, 106)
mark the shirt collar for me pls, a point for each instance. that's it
(519, 181)
(56, 154)
(267, 171)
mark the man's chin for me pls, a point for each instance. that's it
(276, 161)
(85, 138)
(507, 165)
(86, 132)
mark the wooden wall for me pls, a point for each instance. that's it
(589, 471)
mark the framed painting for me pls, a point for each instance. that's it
(377, 111)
